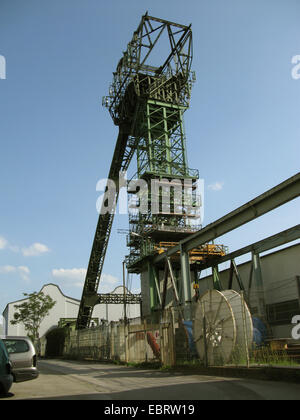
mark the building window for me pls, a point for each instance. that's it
(283, 312)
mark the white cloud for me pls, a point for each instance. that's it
(216, 186)
(14, 248)
(109, 279)
(76, 276)
(35, 249)
(24, 269)
(21, 270)
(3, 242)
(24, 273)
(7, 269)
(107, 283)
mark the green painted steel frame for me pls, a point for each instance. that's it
(135, 81)
(161, 147)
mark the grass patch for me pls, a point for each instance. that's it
(145, 365)
(266, 356)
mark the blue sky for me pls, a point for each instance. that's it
(243, 127)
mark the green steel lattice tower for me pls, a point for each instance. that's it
(149, 94)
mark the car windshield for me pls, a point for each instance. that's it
(16, 346)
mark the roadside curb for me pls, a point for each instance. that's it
(269, 373)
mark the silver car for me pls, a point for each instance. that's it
(23, 358)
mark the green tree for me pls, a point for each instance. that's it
(32, 312)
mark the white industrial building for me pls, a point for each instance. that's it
(66, 308)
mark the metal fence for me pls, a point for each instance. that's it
(223, 331)
(135, 341)
(226, 331)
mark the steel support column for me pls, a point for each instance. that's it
(259, 287)
(186, 283)
(216, 278)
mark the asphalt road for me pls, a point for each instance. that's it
(72, 380)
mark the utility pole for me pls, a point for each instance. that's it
(124, 292)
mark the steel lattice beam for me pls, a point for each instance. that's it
(271, 199)
(258, 247)
(120, 162)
